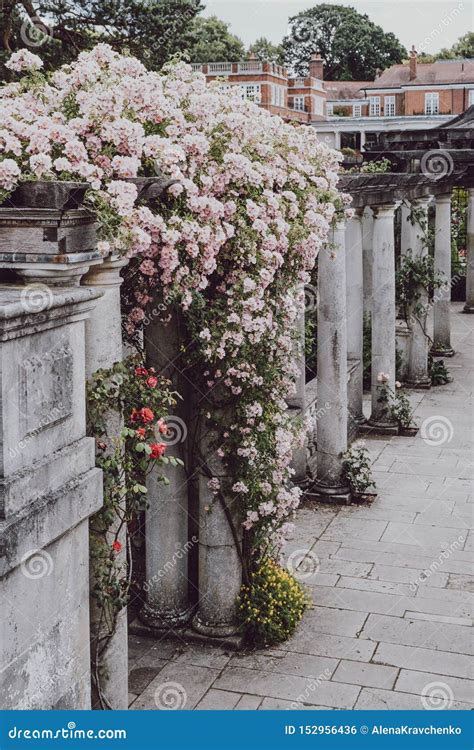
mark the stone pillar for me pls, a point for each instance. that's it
(49, 487)
(355, 314)
(442, 266)
(331, 433)
(417, 374)
(297, 402)
(469, 306)
(166, 519)
(104, 349)
(367, 236)
(220, 543)
(383, 316)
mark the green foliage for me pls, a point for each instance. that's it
(267, 51)
(352, 46)
(214, 42)
(438, 372)
(129, 401)
(416, 279)
(398, 405)
(152, 30)
(357, 469)
(272, 605)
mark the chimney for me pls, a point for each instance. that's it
(413, 55)
(316, 66)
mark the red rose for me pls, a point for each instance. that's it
(141, 371)
(116, 546)
(134, 415)
(146, 415)
(157, 450)
(152, 381)
(140, 432)
(162, 426)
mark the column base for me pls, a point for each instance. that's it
(323, 493)
(468, 308)
(214, 630)
(373, 427)
(423, 384)
(186, 635)
(440, 351)
(163, 621)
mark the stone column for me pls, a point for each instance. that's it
(166, 519)
(355, 314)
(104, 349)
(367, 236)
(49, 487)
(383, 316)
(331, 433)
(469, 306)
(442, 266)
(297, 402)
(220, 543)
(417, 374)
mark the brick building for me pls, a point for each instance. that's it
(348, 113)
(409, 96)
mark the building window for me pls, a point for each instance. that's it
(357, 110)
(471, 97)
(278, 95)
(298, 103)
(329, 109)
(374, 106)
(389, 106)
(251, 92)
(318, 105)
(431, 104)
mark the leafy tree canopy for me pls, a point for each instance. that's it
(214, 42)
(266, 50)
(351, 45)
(464, 48)
(152, 30)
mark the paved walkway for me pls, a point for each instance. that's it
(391, 624)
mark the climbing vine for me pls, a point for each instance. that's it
(126, 409)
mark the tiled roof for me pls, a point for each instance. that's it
(439, 72)
(345, 89)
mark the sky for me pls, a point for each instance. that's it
(428, 24)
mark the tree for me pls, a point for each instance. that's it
(351, 45)
(214, 42)
(267, 51)
(153, 30)
(464, 47)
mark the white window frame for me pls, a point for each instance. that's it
(329, 109)
(389, 106)
(470, 99)
(374, 106)
(251, 92)
(298, 103)
(357, 110)
(431, 103)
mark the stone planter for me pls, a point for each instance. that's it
(48, 194)
(46, 235)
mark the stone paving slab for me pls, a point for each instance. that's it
(391, 623)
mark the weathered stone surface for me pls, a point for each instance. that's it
(49, 486)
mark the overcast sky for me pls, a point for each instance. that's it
(429, 24)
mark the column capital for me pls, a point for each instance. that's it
(443, 198)
(106, 273)
(385, 210)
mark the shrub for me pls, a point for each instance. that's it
(272, 605)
